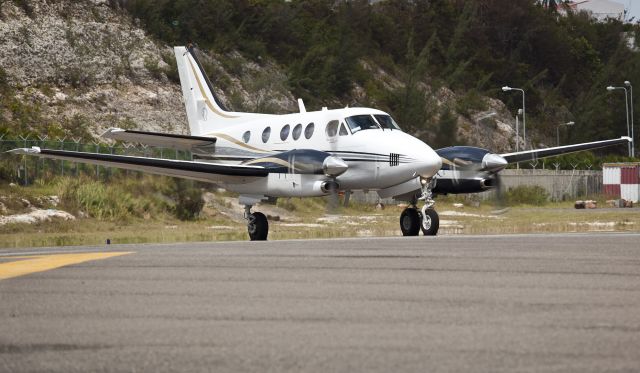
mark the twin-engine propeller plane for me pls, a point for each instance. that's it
(306, 154)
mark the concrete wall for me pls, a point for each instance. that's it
(559, 184)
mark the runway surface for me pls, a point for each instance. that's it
(519, 303)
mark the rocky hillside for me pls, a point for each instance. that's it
(85, 63)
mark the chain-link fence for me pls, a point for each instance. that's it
(25, 170)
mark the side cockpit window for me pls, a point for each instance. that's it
(246, 137)
(343, 130)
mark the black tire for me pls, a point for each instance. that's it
(433, 223)
(258, 227)
(410, 222)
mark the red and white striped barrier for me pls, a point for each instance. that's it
(622, 180)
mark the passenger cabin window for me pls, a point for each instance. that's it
(387, 122)
(246, 136)
(297, 131)
(361, 122)
(343, 130)
(308, 131)
(332, 128)
(284, 132)
(266, 134)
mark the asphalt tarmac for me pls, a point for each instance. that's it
(517, 303)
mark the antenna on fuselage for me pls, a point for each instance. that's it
(301, 106)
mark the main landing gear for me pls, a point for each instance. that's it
(426, 219)
(257, 224)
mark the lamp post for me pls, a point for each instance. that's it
(524, 119)
(633, 139)
(626, 103)
(558, 130)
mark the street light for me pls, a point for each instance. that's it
(558, 129)
(626, 103)
(633, 141)
(524, 119)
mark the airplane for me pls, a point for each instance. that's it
(305, 154)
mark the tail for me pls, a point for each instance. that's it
(205, 111)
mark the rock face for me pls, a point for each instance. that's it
(88, 63)
(84, 58)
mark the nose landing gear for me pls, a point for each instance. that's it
(427, 219)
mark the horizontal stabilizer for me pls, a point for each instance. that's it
(194, 144)
(202, 171)
(530, 155)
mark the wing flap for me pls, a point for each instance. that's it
(529, 155)
(195, 144)
(202, 171)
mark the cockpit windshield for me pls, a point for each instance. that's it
(361, 122)
(387, 122)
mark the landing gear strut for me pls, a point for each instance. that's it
(257, 224)
(427, 220)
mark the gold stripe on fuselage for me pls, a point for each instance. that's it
(238, 142)
(279, 161)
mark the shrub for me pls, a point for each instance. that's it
(527, 195)
(188, 200)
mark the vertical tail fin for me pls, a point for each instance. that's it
(205, 112)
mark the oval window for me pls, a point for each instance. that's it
(284, 132)
(265, 134)
(297, 131)
(308, 131)
(332, 128)
(246, 136)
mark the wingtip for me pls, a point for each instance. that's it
(32, 150)
(626, 138)
(111, 131)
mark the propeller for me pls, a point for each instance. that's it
(501, 205)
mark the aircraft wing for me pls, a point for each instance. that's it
(202, 171)
(529, 155)
(195, 144)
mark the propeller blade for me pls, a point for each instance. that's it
(333, 203)
(501, 205)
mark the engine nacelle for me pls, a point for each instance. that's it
(458, 186)
(303, 162)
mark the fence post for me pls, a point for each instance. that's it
(97, 166)
(24, 157)
(77, 141)
(62, 161)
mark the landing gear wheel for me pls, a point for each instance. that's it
(258, 227)
(430, 223)
(410, 222)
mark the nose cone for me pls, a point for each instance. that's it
(430, 163)
(493, 162)
(334, 166)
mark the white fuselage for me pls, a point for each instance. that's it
(377, 158)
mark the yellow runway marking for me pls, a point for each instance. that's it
(39, 263)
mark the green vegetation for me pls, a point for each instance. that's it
(527, 195)
(472, 47)
(130, 215)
